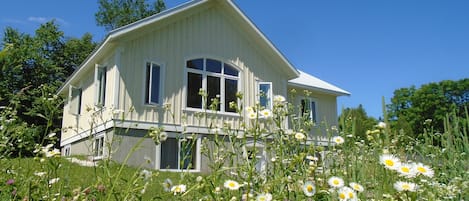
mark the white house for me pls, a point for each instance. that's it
(153, 70)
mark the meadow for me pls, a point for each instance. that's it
(385, 165)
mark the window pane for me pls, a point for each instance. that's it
(213, 66)
(194, 83)
(231, 88)
(148, 83)
(213, 89)
(230, 70)
(155, 83)
(75, 103)
(313, 111)
(169, 154)
(196, 64)
(305, 108)
(264, 95)
(187, 154)
(101, 85)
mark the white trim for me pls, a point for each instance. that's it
(99, 136)
(117, 64)
(65, 148)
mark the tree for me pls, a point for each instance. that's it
(415, 109)
(358, 119)
(113, 14)
(32, 69)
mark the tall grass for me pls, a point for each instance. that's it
(271, 156)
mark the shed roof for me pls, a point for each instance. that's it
(306, 80)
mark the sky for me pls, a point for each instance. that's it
(367, 47)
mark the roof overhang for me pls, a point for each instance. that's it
(311, 82)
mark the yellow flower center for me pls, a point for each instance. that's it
(231, 184)
(309, 188)
(389, 162)
(350, 195)
(178, 189)
(342, 196)
(336, 182)
(405, 169)
(356, 187)
(406, 186)
(421, 169)
(262, 198)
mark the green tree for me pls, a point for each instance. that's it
(32, 69)
(413, 109)
(359, 120)
(113, 14)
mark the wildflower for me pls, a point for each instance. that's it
(249, 109)
(51, 135)
(424, 170)
(381, 125)
(199, 179)
(264, 197)
(407, 170)
(40, 174)
(356, 186)
(53, 181)
(279, 99)
(389, 161)
(252, 115)
(232, 185)
(181, 188)
(312, 158)
(343, 194)
(351, 195)
(52, 153)
(10, 182)
(167, 185)
(299, 136)
(405, 186)
(145, 174)
(266, 113)
(336, 182)
(163, 136)
(309, 189)
(338, 139)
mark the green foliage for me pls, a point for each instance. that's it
(358, 120)
(412, 108)
(32, 69)
(113, 14)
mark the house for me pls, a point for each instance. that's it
(153, 69)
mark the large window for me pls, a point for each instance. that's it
(178, 154)
(101, 85)
(75, 100)
(309, 109)
(153, 84)
(265, 94)
(99, 146)
(219, 81)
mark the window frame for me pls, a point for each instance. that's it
(100, 95)
(269, 94)
(205, 74)
(313, 117)
(67, 150)
(197, 164)
(70, 100)
(148, 102)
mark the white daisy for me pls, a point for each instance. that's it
(424, 170)
(264, 197)
(407, 170)
(338, 139)
(309, 188)
(266, 113)
(390, 161)
(181, 188)
(232, 185)
(405, 186)
(356, 186)
(300, 136)
(335, 182)
(167, 185)
(279, 99)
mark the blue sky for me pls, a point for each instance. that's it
(367, 47)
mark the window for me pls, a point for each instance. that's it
(308, 109)
(265, 94)
(67, 150)
(101, 85)
(219, 80)
(75, 100)
(178, 154)
(99, 146)
(153, 83)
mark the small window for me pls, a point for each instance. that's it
(153, 83)
(196, 64)
(308, 109)
(101, 85)
(75, 100)
(67, 150)
(265, 94)
(99, 146)
(178, 154)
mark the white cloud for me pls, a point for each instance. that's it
(47, 19)
(37, 19)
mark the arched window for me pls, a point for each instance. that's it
(217, 79)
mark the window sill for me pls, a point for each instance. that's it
(179, 170)
(231, 114)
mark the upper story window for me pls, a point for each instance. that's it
(153, 83)
(265, 94)
(308, 109)
(101, 85)
(75, 100)
(219, 80)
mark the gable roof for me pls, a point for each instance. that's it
(124, 30)
(306, 80)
